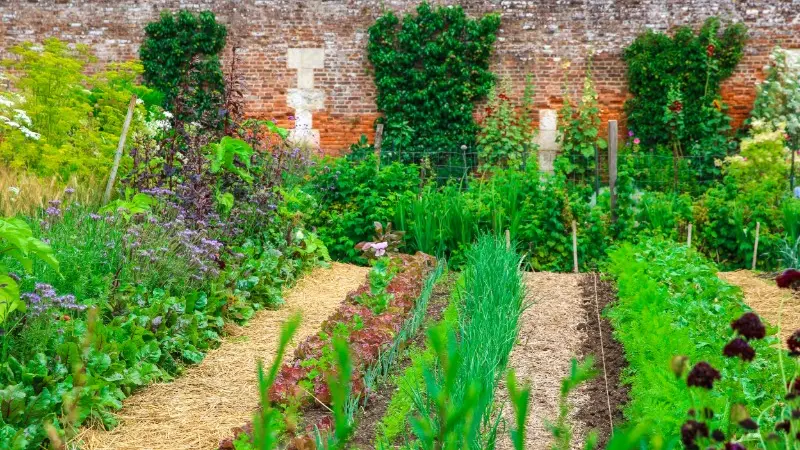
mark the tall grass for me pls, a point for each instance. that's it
(22, 193)
(492, 298)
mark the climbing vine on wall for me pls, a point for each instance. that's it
(429, 69)
(180, 55)
(690, 67)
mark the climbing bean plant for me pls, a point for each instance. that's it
(429, 69)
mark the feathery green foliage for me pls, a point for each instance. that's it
(672, 303)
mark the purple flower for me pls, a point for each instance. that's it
(69, 191)
(703, 375)
(749, 325)
(94, 216)
(630, 133)
(739, 348)
(52, 211)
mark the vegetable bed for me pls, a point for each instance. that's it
(671, 303)
(373, 335)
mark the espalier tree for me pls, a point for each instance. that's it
(429, 69)
(180, 55)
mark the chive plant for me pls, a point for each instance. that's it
(458, 411)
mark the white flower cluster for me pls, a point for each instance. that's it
(21, 121)
(158, 122)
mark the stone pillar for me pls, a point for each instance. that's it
(548, 147)
(304, 99)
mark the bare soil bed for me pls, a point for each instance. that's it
(595, 414)
(560, 324)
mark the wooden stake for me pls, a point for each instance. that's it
(755, 246)
(574, 247)
(378, 143)
(612, 167)
(689, 237)
(508, 239)
(118, 156)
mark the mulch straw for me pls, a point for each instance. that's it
(203, 404)
(765, 298)
(551, 332)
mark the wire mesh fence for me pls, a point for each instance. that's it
(650, 171)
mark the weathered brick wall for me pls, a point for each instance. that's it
(536, 37)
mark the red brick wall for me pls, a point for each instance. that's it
(535, 37)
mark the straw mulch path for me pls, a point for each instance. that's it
(552, 330)
(765, 297)
(201, 406)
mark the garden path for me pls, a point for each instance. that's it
(765, 297)
(200, 407)
(552, 331)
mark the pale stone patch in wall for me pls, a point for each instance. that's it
(305, 99)
(548, 147)
(793, 58)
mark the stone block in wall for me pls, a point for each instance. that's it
(305, 58)
(548, 132)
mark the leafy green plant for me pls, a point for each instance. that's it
(437, 57)
(675, 82)
(17, 241)
(360, 149)
(268, 421)
(778, 98)
(180, 55)
(579, 373)
(227, 153)
(327, 360)
(377, 299)
(672, 303)
(520, 401)
(506, 136)
(351, 197)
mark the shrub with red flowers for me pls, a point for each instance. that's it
(506, 136)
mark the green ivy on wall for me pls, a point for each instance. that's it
(429, 69)
(675, 82)
(180, 55)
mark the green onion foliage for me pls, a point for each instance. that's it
(458, 410)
